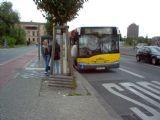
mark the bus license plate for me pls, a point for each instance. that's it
(100, 68)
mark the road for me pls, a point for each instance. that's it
(132, 91)
(7, 55)
(14, 59)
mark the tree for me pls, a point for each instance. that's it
(8, 18)
(19, 34)
(49, 26)
(61, 11)
(9, 25)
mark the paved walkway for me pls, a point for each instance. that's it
(26, 98)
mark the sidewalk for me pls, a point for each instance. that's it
(27, 98)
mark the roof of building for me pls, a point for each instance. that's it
(31, 23)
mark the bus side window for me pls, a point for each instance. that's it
(114, 31)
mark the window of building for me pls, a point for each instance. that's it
(37, 33)
(33, 39)
(28, 32)
(33, 33)
(37, 40)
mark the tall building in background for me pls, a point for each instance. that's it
(34, 30)
(133, 31)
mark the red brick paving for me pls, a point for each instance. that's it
(9, 70)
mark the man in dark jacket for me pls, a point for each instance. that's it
(56, 63)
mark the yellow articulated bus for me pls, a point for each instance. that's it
(97, 47)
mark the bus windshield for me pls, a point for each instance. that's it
(90, 45)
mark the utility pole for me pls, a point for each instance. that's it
(53, 49)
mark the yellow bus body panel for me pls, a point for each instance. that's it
(100, 59)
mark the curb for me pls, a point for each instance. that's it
(94, 93)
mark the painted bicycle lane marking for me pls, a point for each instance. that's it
(145, 90)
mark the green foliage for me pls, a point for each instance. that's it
(49, 28)
(128, 41)
(8, 18)
(19, 34)
(7, 14)
(135, 41)
(10, 40)
(9, 28)
(61, 11)
(1, 42)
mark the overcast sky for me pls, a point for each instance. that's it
(120, 13)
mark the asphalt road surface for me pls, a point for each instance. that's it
(7, 55)
(132, 91)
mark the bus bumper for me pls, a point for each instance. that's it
(84, 66)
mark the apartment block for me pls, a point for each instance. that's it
(34, 30)
(133, 31)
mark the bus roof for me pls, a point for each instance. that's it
(96, 30)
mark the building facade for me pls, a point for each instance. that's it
(133, 31)
(34, 31)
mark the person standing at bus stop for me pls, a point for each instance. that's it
(46, 53)
(56, 63)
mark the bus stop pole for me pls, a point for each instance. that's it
(53, 48)
(39, 49)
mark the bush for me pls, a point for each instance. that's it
(10, 41)
(19, 34)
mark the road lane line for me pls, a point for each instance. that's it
(132, 73)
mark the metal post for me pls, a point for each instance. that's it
(64, 53)
(53, 48)
(39, 49)
(70, 59)
(61, 52)
(67, 71)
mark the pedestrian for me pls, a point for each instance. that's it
(27, 43)
(74, 54)
(56, 63)
(46, 53)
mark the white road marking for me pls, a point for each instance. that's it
(29, 68)
(156, 82)
(114, 88)
(131, 87)
(132, 73)
(154, 88)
